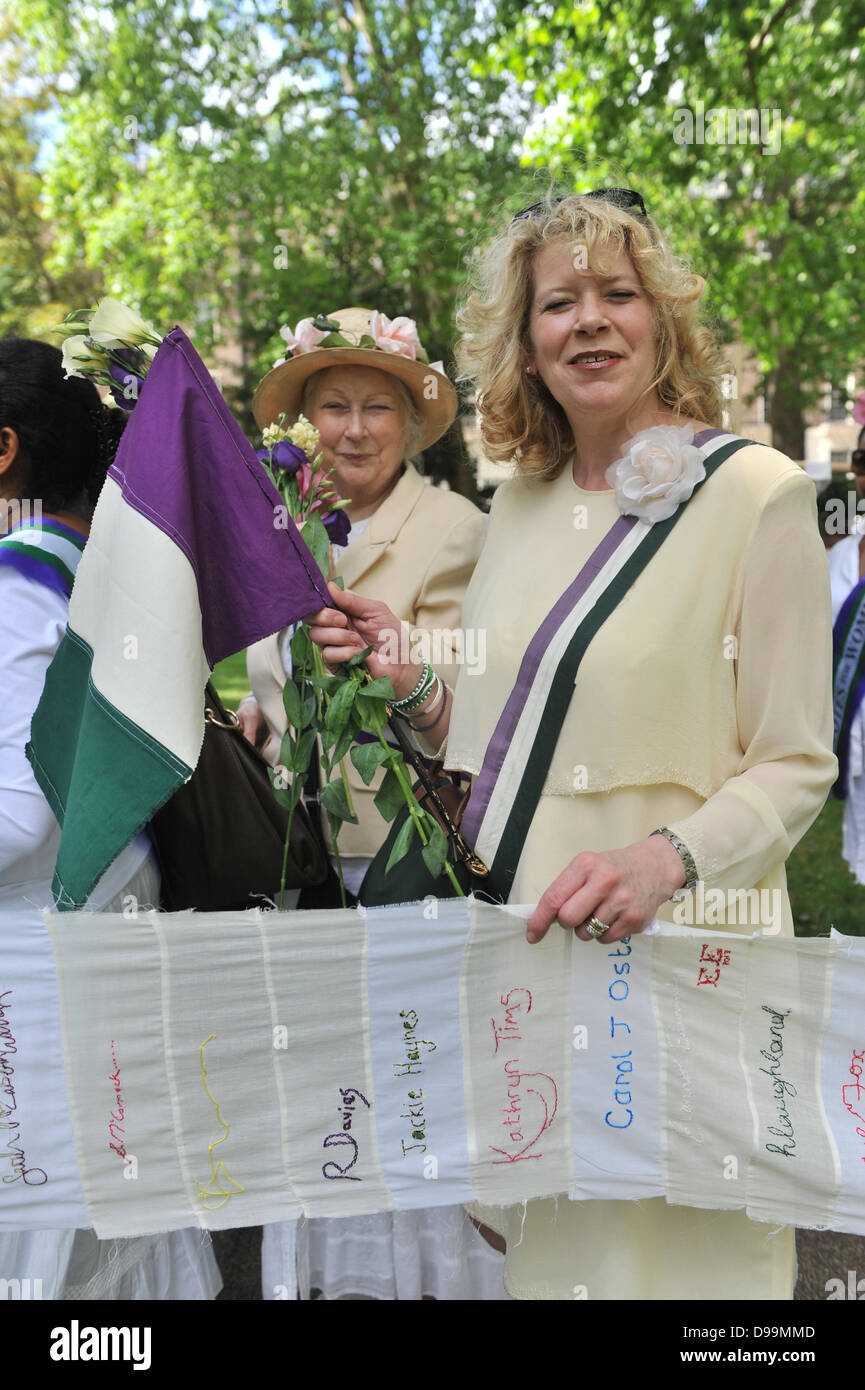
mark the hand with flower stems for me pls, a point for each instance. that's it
(356, 623)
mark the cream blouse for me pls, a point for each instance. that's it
(703, 703)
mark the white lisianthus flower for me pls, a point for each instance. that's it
(77, 356)
(116, 325)
(659, 470)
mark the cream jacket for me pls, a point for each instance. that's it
(417, 556)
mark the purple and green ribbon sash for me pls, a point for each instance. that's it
(45, 552)
(508, 788)
(848, 678)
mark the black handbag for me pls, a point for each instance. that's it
(220, 838)
(410, 880)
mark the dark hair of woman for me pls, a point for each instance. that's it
(67, 438)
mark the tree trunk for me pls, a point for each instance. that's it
(448, 461)
(786, 415)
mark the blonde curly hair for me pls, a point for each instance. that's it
(519, 418)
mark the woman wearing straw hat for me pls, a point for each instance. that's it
(376, 401)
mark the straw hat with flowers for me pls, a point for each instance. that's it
(365, 338)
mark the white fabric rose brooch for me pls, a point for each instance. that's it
(658, 472)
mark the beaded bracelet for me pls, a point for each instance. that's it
(438, 698)
(420, 692)
(691, 875)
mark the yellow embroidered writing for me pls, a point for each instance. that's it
(221, 1185)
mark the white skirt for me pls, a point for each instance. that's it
(432, 1253)
(74, 1265)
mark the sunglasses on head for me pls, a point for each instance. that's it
(857, 461)
(625, 198)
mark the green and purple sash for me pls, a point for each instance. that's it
(508, 788)
(848, 677)
(45, 552)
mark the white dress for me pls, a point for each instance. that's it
(70, 1264)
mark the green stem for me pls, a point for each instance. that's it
(318, 667)
(414, 808)
(348, 796)
(285, 860)
(338, 868)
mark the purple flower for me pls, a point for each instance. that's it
(288, 457)
(337, 526)
(129, 383)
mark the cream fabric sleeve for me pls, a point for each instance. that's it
(439, 610)
(783, 699)
(438, 606)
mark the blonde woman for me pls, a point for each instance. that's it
(693, 738)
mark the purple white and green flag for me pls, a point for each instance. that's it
(184, 566)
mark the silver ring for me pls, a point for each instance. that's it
(595, 928)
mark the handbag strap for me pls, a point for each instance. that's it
(463, 851)
(551, 720)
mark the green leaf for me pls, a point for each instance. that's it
(286, 750)
(334, 801)
(382, 688)
(389, 797)
(291, 703)
(371, 715)
(359, 659)
(308, 708)
(436, 852)
(303, 751)
(317, 539)
(301, 647)
(402, 844)
(287, 797)
(367, 758)
(340, 708)
(343, 744)
(329, 684)
(328, 738)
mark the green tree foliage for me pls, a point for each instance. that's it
(32, 292)
(774, 217)
(239, 166)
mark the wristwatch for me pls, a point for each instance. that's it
(692, 878)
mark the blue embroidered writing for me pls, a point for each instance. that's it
(619, 990)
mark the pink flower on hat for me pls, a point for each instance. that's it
(304, 338)
(394, 335)
(859, 409)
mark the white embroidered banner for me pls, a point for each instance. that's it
(236, 1068)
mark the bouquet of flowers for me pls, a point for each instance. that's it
(114, 346)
